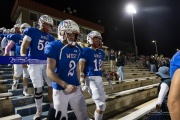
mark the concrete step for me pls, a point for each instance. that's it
(137, 112)
(10, 81)
(71, 116)
(6, 69)
(12, 117)
(6, 87)
(30, 91)
(6, 76)
(5, 72)
(5, 66)
(30, 109)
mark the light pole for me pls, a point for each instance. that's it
(155, 46)
(131, 9)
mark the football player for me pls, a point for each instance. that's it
(91, 67)
(63, 56)
(16, 40)
(36, 39)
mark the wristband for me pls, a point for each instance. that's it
(23, 54)
(81, 79)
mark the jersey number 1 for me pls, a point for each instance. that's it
(97, 64)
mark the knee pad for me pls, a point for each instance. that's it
(38, 92)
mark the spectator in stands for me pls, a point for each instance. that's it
(152, 63)
(120, 62)
(112, 58)
(174, 93)
(163, 90)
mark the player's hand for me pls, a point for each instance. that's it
(52, 113)
(70, 88)
(24, 66)
(82, 81)
(84, 88)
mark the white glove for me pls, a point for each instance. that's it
(84, 88)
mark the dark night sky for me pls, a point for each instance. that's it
(155, 20)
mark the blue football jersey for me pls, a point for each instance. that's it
(17, 38)
(39, 40)
(1, 36)
(94, 59)
(175, 63)
(8, 37)
(66, 62)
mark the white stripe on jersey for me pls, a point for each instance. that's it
(61, 51)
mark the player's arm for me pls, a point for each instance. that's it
(26, 42)
(78, 72)
(51, 64)
(104, 74)
(3, 43)
(8, 47)
(81, 70)
(174, 96)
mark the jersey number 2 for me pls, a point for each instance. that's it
(72, 66)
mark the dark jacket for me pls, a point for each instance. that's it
(120, 61)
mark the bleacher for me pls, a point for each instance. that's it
(140, 86)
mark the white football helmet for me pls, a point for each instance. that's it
(12, 30)
(1, 29)
(17, 28)
(90, 37)
(17, 25)
(5, 31)
(68, 26)
(24, 26)
(45, 19)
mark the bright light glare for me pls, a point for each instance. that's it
(153, 41)
(131, 9)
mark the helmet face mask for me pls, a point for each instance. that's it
(12, 30)
(68, 32)
(46, 23)
(94, 38)
(24, 26)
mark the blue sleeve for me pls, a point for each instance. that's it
(50, 51)
(85, 54)
(9, 36)
(12, 37)
(28, 32)
(175, 63)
